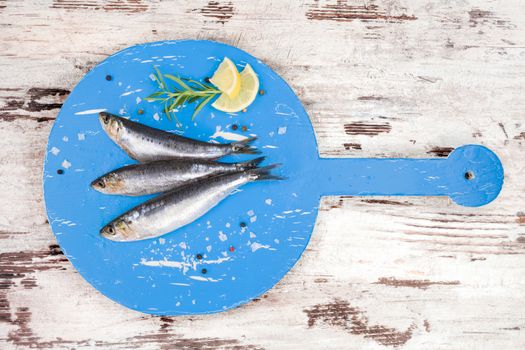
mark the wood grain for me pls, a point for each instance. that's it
(379, 79)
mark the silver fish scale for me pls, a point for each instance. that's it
(165, 175)
(179, 207)
(146, 144)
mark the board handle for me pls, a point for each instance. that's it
(472, 175)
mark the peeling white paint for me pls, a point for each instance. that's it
(180, 284)
(66, 164)
(256, 246)
(204, 279)
(164, 263)
(231, 136)
(130, 92)
(91, 111)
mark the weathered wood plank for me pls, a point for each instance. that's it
(378, 78)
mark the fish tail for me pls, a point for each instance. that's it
(244, 147)
(250, 164)
(263, 173)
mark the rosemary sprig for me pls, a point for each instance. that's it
(184, 91)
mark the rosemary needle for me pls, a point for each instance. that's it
(183, 91)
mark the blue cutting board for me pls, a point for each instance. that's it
(256, 235)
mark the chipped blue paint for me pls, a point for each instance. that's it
(163, 276)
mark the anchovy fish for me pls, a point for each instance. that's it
(179, 207)
(164, 175)
(146, 144)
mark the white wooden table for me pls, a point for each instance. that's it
(378, 78)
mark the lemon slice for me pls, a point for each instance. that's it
(247, 93)
(227, 78)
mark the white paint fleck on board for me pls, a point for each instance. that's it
(66, 164)
(268, 201)
(182, 245)
(208, 248)
(138, 100)
(130, 92)
(269, 146)
(256, 246)
(253, 218)
(222, 236)
(164, 263)
(204, 279)
(65, 139)
(122, 111)
(250, 213)
(252, 235)
(177, 304)
(282, 130)
(180, 284)
(91, 111)
(55, 151)
(217, 261)
(147, 61)
(156, 116)
(228, 225)
(152, 77)
(276, 241)
(282, 109)
(231, 136)
(162, 240)
(64, 222)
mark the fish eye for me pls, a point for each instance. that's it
(111, 230)
(101, 184)
(106, 119)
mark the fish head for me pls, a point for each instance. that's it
(112, 125)
(110, 183)
(117, 230)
